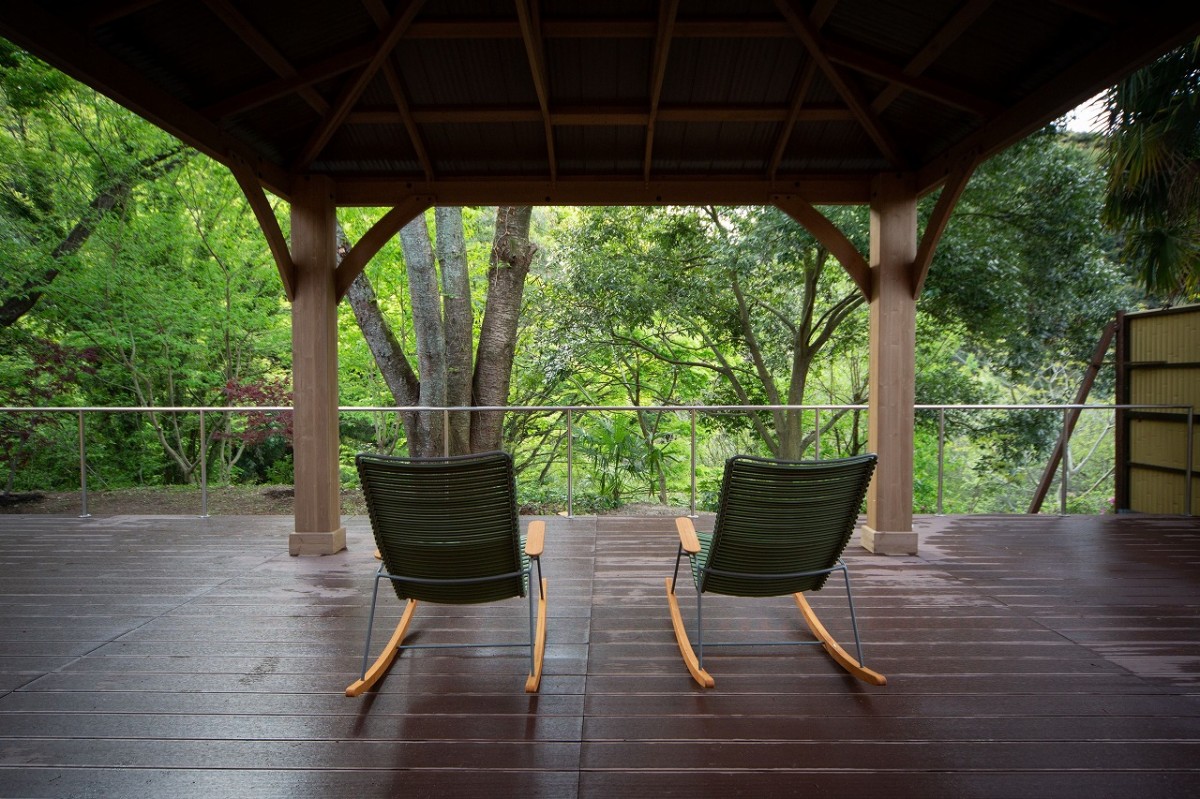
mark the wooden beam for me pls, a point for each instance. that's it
(355, 261)
(1085, 388)
(263, 48)
(531, 35)
(799, 95)
(350, 93)
(414, 133)
(830, 237)
(314, 371)
(940, 91)
(265, 214)
(667, 9)
(807, 33)
(1111, 12)
(31, 26)
(892, 376)
(936, 226)
(272, 90)
(111, 12)
(601, 29)
(1133, 45)
(378, 12)
(713, 189)
(796, 111)
(947, 34)
(604, 116)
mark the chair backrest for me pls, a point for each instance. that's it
(449, 518)
(783, 517)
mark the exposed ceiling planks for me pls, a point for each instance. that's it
(642, 101)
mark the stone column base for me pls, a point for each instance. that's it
(317, 543)
(889, 543)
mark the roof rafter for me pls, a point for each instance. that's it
(853, 97)
(950, 32)
(531, 33)
(414, 133)
(262, 48)
(1127, 47)
(590, 116)
(667, 10)
(899, 76)
(266, 92)
(820, 14)
(111, 12)
(353, 90)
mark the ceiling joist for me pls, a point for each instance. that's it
(667, 9)
(266, 51)
(354, 88)
(531, 35)
(946, 35)
(807, 33)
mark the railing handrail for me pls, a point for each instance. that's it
(585, 408)
(570, 410)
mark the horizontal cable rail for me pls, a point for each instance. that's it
(693, 411)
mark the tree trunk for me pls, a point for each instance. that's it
(459, 322)
(397, 373)
(423, 293)
(512, 253)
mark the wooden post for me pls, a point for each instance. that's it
(319, 530)
(893, 362)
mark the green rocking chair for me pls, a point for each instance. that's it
(448, 532)
(780, 529)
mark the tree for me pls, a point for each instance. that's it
(447, 374)
(1152, 153)
(69, 157)
(744, 294)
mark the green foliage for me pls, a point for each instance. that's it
(1152, 153)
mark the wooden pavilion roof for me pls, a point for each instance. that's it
(598, 101)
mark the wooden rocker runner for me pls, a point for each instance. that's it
(780, 529)
(448, 532)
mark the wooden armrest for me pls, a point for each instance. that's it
(535, 537)
(687, 535)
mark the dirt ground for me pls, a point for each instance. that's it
(171, 501)
(222, 501)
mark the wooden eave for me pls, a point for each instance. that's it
(522, 100)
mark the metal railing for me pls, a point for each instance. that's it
(570, 412)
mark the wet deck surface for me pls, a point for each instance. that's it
(179, 657)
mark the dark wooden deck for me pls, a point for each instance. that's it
(179, 657)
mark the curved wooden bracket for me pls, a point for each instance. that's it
(261, 206)
(353, 263)
(830, 237)
(956, 182)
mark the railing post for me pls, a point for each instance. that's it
(446, 432)
(1066, 463)
(692, 507)
(570, 467)
(203, 468)
(816, 434)
(83, 511)
(941, 457)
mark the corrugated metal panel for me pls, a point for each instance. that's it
(1160, 492)
(1163, 352)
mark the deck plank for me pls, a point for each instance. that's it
(181, 657)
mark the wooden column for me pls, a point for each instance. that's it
(319, 529)
(893, 362)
